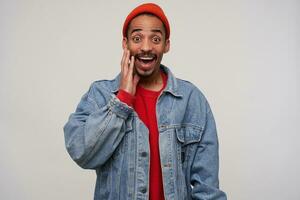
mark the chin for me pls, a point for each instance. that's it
(143, 73)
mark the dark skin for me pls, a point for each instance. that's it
(143, 51)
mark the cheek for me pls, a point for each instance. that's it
(160, 49)
(132, 45)
(133, 50)
(132, 53)
(160, 53)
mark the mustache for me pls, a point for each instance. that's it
(151, 55)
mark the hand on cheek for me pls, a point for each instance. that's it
(129, 79)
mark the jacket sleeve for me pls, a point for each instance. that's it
(205, 166)
(94, 131)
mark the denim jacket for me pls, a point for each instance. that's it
(107, 135)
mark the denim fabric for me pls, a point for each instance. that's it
(106, 135)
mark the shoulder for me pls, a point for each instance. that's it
(194, 97)
(104, 86)
(188, 88)
(101, 91)
(184, 88)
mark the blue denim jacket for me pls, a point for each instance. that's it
(106, 135)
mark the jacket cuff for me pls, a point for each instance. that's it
(119, 108)
(126, 97)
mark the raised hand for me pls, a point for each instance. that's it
(129, 79)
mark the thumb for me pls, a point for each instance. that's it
(136, 79)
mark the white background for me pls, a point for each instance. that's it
(244, 55)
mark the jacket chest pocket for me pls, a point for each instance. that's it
(188, 138)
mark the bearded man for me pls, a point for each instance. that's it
(146, 133)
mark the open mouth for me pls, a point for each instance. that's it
(146, 60)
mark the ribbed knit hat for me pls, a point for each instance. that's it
(147, 8)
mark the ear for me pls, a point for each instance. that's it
(124, 43)
(167, 46)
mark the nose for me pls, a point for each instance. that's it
(146, 45)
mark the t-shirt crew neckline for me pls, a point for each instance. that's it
(150, 93)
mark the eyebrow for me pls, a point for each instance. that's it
(157, 31)
(152, 30)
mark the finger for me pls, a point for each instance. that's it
(126, 62)
(130, 69)
(123, 58)
(136, 79)
(122, 61)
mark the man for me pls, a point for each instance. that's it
(147, 134)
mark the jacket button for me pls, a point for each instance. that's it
(144, 154)
(143, 189)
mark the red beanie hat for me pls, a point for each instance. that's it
(147, 8)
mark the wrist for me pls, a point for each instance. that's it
(126, 97)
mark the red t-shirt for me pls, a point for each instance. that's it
(144, 103)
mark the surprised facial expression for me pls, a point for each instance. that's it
(146, 41)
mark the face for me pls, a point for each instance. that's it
(146, 41)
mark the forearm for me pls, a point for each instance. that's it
(92, 134)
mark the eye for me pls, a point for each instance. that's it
(136, 39)
(156, 39)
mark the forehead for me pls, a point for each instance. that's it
(146, 22)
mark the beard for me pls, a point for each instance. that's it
(146, 63)
(147, 70)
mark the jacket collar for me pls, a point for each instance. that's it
(171, 87)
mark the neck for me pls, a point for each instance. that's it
(153, 82)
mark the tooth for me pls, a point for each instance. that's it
(147, 58)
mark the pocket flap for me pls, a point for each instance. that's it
(189, 134)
